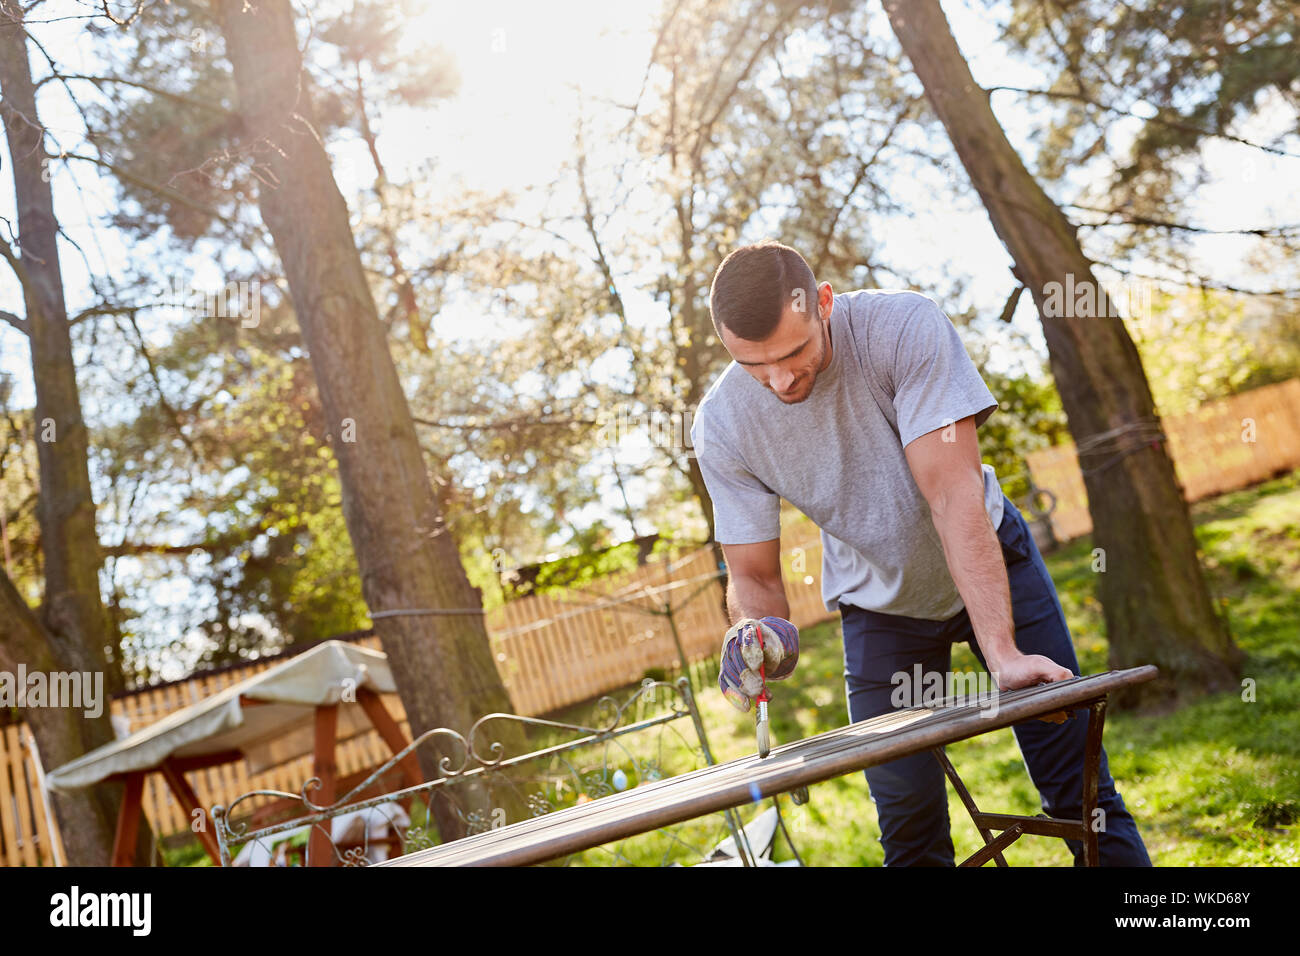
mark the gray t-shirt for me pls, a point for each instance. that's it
(898, 370)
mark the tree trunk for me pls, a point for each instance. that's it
(72, 632)
(73, 612)
(408, 560)
(1157, 607)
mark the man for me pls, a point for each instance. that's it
(860, 409)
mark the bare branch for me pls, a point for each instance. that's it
(148, 88)
(105, 309)
(1203, 283)
(508, 425)
(18, 323)
(157, 382)
(1118, 217)
(163, 191)
(1172, 124)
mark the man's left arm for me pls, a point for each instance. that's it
(946, 466)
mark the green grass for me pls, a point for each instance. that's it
(1214, 783)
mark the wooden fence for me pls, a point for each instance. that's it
(1222, 446)
(551, 652)
(28, 834)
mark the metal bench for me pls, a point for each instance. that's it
(801, 763)
(627, 748)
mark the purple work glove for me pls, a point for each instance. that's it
(738, 675)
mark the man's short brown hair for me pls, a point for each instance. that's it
(755, 285)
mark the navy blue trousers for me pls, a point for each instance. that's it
(911, 794)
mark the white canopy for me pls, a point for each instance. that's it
(279, 727)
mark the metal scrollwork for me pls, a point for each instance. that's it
(538, 805)
(356, 856)
(418, 838)
(480, 778)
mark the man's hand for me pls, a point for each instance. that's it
(1026, 670)
(738, 676)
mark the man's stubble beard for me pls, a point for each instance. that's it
(816, 368)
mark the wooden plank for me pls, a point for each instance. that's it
(573, 662)
(993, 849)
(208, 780)
(128, 821)
(117, 711)
(189, 802)
(49, 848)
(627, 638)
(396, 708)
(570, 671)
(588, 644)
(622, 630)
(171, 810)
(22, 794)
(61, 853)
(391, 734)
(548, 673)
(633, 640)
(844, 750)
(204, 761)
(1043, 826)
(8, 830)
(605, 638)
(151, 702)
(633, 632)
(202, 686)
(43, 839)
(231, 778)
(130, 705)
(363, 750)
(685, 607)
(701, 624)
(691, 607)
(507, 662)
(623, 639)
(131, 708)
(521, 688)
(534, 697)
(320, 850)
(158, 810)
(162, 704)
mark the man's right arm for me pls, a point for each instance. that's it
(746, 511)
(755, 588)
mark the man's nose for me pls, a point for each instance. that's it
(780, 379)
